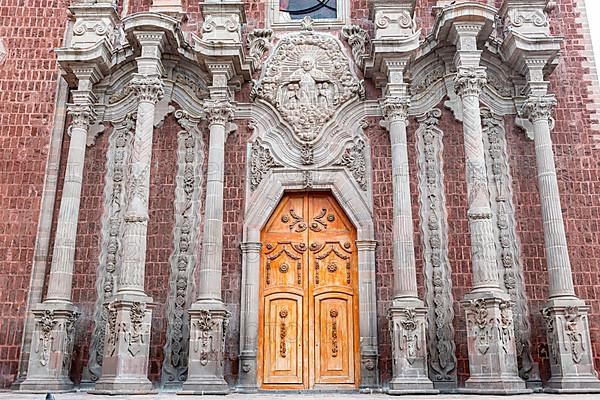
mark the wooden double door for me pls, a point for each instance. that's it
(308, 318)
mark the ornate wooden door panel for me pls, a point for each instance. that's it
(308, 333)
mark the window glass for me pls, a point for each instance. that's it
(316, 9)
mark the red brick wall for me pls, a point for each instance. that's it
(30, 29)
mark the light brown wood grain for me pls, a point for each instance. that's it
(308, 314)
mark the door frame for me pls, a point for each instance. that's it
(259, 207)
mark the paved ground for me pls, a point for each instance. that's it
(292, 396)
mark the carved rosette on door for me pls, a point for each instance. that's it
(308, 335)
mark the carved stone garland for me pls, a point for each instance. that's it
(500, 186)
(437, 270)
(115, 197)
(307, 78)
(354, 159)
(187, 197)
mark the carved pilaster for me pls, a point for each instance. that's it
(507, 243)
(183, 259)
(115, 199)
(437, 269)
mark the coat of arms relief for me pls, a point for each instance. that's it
(307, 79)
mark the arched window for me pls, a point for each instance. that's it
(316, 9)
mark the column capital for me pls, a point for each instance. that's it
(470, 81)
(219, 112)
(82, 115)
(395, 108)
(538, 108)
(148, 88)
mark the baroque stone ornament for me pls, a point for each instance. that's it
(470, 81)
(219, 112)
(359, 42)
(507, 246)
(188, 194)
(115, 197)
(437, 269)
(259, 43)
(147, 88)
(307, 78)
(261, 163)
(354, 159)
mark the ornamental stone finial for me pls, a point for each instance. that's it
(219, 112)
(148, 88)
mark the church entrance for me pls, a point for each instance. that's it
(308, 319)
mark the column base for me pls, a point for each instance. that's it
(208, 326)
(52, 349)
(570, 347)
(126, 348)
(369, 371)
(407, 324)
(247, 379)
(491, 345)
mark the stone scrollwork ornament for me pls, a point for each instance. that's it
(259, 42)
(307, 78)
(354, 159)
(261, 162)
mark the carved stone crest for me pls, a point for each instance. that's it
(307, 79)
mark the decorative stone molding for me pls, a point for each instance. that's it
(259, 43)
(222, 21)
(115, 197)
(507, 245)
(437, 269)
(393, 18)
(359, 42)
(307, 78)
(94, 23)
(261, 163)
(188, 193)
(354, 159)
(527, 17)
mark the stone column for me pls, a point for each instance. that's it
(407, 316)
(53, 336)
(369, 352)
(127, 338)
(208, 315)
(247, 381)
(566, 316)
(490, 332)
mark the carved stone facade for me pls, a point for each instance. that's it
(415, 141)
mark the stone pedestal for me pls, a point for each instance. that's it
(408, 330)
(570, 348)
(51, 349)
(491, 345)
(126, 347)
(208, 322)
